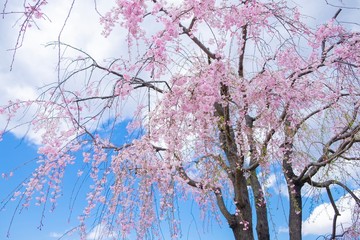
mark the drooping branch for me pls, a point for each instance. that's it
(327, 185)
(347, 136)
(336, 212)
(268, 137)
(334, 182)
(217, 191)
(187, 31)
(127, 145)
(196, 40)
(134, 80)
(223, 209)
(347, 140)
(313, 113)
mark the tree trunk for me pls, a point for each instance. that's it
(242, 226)
(295, 215)
(240, 233)
(262, 224)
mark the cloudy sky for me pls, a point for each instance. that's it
(35, 66)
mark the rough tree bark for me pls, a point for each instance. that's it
(295, 212)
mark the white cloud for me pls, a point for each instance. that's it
(270, 181)
(321, 219)
(35, 65)
(55, 235)
(101, 232)
(283, 190)
(67, 235)
(317, 12)
(277, 184)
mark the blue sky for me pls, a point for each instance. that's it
(15, 152)
(25, 225)
(38, 70)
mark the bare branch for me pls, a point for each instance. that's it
(242, 51)
(336, 212)
(334, 182)
(206, 50)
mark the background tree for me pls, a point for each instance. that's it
(224, 92)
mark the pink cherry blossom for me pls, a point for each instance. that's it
(219, 94)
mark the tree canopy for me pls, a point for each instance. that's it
(219, 94)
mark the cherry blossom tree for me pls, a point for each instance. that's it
(221, 94)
